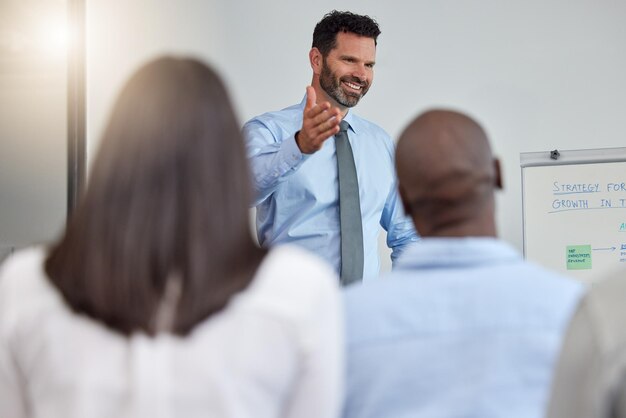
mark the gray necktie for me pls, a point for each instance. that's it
(349, 210)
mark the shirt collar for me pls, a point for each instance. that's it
(456, 252)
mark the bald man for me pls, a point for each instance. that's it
(463, 327)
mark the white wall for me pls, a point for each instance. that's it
(33, 119)
(122, 35)
(539, 75)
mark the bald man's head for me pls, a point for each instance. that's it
(447, 174)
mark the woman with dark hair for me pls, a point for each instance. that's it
(156, 302)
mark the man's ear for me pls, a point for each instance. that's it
(498, 174)
(316, 60)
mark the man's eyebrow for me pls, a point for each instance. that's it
(352, 57)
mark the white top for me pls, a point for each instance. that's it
(276, 350)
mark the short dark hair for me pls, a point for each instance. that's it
(167, 199)
(325, 33)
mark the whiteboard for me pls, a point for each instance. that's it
(574, 211)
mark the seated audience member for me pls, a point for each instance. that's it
(463, 327)
(156, 302)
(590, 378)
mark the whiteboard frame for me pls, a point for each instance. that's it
(566, 157)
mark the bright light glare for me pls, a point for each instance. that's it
(55, 38)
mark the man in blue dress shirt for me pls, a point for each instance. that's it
(463, 327)
(292, 153)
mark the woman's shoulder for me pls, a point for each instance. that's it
(23, 270)
(23, 283)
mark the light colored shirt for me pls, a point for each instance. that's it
(462, 328)
(590, 379)
(297, 194)
(274, 351)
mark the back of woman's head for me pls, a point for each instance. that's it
(166, 207)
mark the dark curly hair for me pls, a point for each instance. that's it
(325, 33)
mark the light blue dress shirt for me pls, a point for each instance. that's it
(297, 194)
(463, 327)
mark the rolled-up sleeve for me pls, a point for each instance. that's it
(399, 227)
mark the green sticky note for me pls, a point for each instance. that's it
(578, 257)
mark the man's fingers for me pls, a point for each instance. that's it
(320, 112)
(316, 110)
(314, 142)
(328, 125)
(316, 128)
(326, 116)
(310, 98)
(321, 136)
(323, 126)
(320, 122)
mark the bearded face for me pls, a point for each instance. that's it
(346, 90)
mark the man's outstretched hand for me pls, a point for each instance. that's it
(319, 122)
